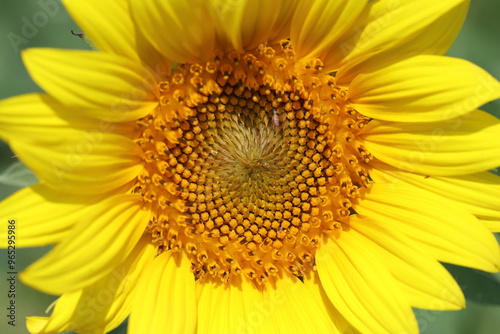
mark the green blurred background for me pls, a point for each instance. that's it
(479, 42)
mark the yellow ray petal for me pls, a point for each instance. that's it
(287, 307)
(102, 306)
(492, 225)
(88, 163)
(233, 307)
(437, 226)
(165, 299)
(477, 193)
(42, 216)
(282, 26)
(313, 284)
(119, 86)
(361, 288)
(301, 310)
(95, 246)
(410, 90)
(109, 26)
(34, 117)
(179, 30)
(317, 25)
(110, 33)
(463, 145)
(246, 24)
(396, 30)
(424, 281)
(37, 325)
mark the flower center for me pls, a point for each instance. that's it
(248, 160)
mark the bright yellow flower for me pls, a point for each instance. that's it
(255, 166)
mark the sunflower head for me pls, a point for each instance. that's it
(249, 159)
(255, 166)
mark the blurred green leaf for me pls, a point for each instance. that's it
(122, 329)
(478, 286)
(18, 175)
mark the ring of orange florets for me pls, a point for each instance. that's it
(249, 159)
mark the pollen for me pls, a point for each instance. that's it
(249, 159)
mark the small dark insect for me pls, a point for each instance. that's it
(85, 39)
(79, 34)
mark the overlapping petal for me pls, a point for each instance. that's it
(318, 24)
(109, 25)
(165, 300)
(439, 227)
(360, 287)
(38, 117)
(371, 44)
(423, 89)
(68, 150)
(477, 193)
(245, 24)
(298, 300)
(236, 304)
(33, 117)
(84, 164)
(282, 25)
(492, 225)
(280, 308)
(463, 145)
(102, 306)
(313, 283)
(120, 87)
(174, 29)
(94, 18)
(87, 254)
(425, 282)
(42, 215)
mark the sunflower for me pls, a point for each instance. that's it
(255, 167)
